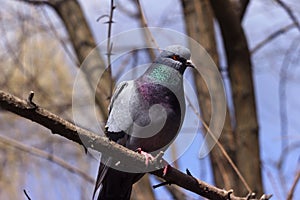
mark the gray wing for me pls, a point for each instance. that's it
(119, 119)
(118, 122)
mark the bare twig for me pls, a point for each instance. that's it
(271, 37)
(289, 12)
(36, 2)
(27, 196)
(273, 182)
(291, 147)
(109, 45)
(220, 146)
(282, 92)
(42, 154)
(148, 35)
(91, 140)
(292, 190)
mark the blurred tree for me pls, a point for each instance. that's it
(240, 141)
(32, 59)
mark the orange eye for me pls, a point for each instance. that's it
(175, 57)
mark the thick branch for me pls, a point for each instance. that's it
(241, 81)
(101, 144)
(243, 9)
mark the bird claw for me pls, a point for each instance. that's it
(165, 170)
(148, 156)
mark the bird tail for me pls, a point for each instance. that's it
(102, 171)
(116, 186)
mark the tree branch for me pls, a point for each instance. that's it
(91, 140)
(289, 12)
(243, 8)
(292, 190)
(148, 35)
(271, 37)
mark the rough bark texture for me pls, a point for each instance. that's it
(240, 74)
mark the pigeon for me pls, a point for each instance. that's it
(145, 114)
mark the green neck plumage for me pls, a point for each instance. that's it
(160, 73)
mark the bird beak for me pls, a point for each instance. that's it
(189, 63)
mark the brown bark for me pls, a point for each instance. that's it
(203, 32)
(240, 74)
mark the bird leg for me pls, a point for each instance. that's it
(148, 156)
(166, 169)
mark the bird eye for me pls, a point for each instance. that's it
(175, 57)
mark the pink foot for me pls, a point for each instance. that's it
(148, 156)
(165, 170)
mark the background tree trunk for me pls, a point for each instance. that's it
(242, 143)
(240, 74)
(203, 32)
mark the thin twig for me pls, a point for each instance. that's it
(42, 154)
(292, 190)
(27, 196)
(36, 2)
(283, 104)
(221, 147)
(109, 45)
(276, 188)
(282, 91)
(289, 12)
(161, 184)
(271, 37)
(148, 35)
(282, 158)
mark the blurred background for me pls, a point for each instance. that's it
(255, 45)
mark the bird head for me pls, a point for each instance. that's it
(176, 56)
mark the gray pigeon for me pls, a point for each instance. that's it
(145, 113)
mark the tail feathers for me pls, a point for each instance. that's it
(116, 186)
(102, 171)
